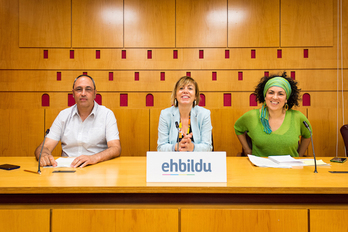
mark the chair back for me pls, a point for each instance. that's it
(344, 132)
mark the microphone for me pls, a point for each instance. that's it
(177, 127)
(310, 131)
(43, 143)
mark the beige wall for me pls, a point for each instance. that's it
(188, 26)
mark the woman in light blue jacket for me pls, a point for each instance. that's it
(185, 126)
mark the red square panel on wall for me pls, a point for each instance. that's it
(227, 99)
(175, 54)
(111, 76)
(149, 54)
(253, 54)
(59, 76)
(45, 54)
(149, 100)
(72, 54)
(98, 99)
(71, 100)
(240, 76)
(252, 100)
(201, 54)
(123, 99)
(306, 100)
(214, 76)
(202, 100)
(227, 54)
(45, 100)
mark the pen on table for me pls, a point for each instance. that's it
(31, 171)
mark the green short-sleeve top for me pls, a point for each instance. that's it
(283, 141)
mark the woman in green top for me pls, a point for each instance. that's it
(276, 128)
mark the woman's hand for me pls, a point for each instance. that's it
(186, 144)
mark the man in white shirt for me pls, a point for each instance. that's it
(86, 130)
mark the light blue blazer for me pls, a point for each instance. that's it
(200, 126)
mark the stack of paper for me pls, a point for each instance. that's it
(286, 159)
(265, 162)
(282, 161)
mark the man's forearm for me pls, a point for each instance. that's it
(107, 154)
(45, 151)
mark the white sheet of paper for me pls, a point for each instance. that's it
(286, 159)
(63, 162)
(265, 162)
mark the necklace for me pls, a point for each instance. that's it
(188, 129)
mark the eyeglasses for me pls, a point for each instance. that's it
(80, 89)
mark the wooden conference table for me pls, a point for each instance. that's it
(114, 194)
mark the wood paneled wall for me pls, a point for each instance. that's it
(226, 45)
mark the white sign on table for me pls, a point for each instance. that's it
(186, 167)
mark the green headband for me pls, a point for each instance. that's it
(279, 82)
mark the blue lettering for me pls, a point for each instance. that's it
(182, 166)
(198, 166)
(165, 165)
(190, 166)
(209, 167)
(173, 164)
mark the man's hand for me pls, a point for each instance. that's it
(47, 160)
(46, 156)
(83, 161)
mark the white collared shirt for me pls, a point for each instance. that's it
(84, 138)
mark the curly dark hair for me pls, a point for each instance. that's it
(295, 92)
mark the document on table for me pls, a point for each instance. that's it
(269, 163)
(310, 162)
(63, 162)
(265, 162)
(286, 159)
